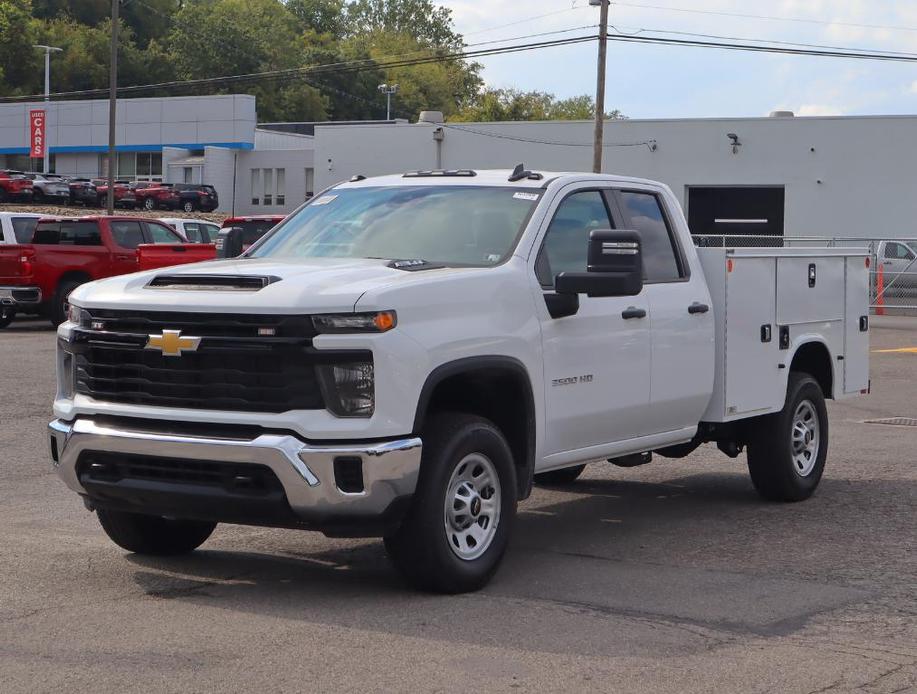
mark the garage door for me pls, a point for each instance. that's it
(745, 211)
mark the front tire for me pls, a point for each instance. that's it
(787, 450)
(149, 204)
(60, 307)
(152, 534)
(188, 206)
(567, 475)
(459, 523)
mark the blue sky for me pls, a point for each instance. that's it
(646, 81)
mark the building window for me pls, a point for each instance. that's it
(268, 186)
(134, 166)
(187, 174)
(281, 197)
(256, 186)
(310, 183)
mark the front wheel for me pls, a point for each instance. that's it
(787, 450)
(61, 305)
(149, 204)
(188, 206)
(458, 527)
(152, 534)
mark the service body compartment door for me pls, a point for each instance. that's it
(752, 354)
(808, 289)
(856, 340)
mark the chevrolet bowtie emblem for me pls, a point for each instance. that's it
(172, 344)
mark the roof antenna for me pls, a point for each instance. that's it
(521, 172)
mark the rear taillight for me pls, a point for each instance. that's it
(25, 265)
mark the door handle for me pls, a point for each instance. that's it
(697, 307)
(633, 312)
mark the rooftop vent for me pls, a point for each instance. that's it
(782, 114)
(431, 117)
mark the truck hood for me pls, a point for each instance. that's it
(298, 286)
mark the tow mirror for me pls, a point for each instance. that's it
(229, 242)
(614, 266)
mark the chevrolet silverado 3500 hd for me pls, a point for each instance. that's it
(405, 355)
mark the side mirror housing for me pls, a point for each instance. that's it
(614, 266)
(229, 242)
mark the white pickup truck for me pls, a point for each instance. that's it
(405, 355)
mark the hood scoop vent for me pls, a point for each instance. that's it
(212, 283)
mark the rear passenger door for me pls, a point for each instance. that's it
(126, 236)
(680, 315)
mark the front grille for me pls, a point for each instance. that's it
(199, 324)
(237, 478)
(242, 372)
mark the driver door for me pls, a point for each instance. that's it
(596, 362)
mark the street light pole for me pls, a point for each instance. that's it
(388, 90)
(48, 50)
(112, 105)
(600, 86)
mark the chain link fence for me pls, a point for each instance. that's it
(892, 267)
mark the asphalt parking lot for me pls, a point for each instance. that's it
(669, 577)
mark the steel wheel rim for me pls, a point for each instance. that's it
(189, 207)
(806, 438)
(472, 506)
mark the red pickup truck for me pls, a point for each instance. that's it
(65, 252)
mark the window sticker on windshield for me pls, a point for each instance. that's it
(325, 199)
(526, 196)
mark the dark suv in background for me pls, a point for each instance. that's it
(83, 190)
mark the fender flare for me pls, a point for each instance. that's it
(480, 363)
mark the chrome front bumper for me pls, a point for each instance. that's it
(306, 471)
(20, 296)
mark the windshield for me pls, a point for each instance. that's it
(451, 225)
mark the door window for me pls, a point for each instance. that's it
(126, 234)
(566, 244)
(23, 228)
(80, 234)
(898, 251)
(162, 234)
(660, 262)
(209, 232)
(193, 232)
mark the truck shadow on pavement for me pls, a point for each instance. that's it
(701, 553)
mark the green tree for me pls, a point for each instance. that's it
(512, 104)
(429, 24)
(18, 60)
(319, 16)
(149, 19)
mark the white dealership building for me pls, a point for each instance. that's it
(795, 176)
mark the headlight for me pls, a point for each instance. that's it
(374, 322)
(74, 314)
(348, 389)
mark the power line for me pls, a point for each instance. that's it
(741, 15)
(649, 144)
(319, 69)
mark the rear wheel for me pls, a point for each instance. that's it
(61, 306)
(152, 534)
(458, 527)
(149, 204)
(787, 450)
(188, 206)
(7, 314)
(567, 475)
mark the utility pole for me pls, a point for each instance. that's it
(600, 86)
(47, 50)
(388, 90)
(112, 105)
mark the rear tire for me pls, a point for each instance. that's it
(567, 475)
(60, 307)
(7, 314)
(152, 534)
(188, 206)
(787, 450)
(458, 526)
(149, 204)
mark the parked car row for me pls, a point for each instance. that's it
(25, 186)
